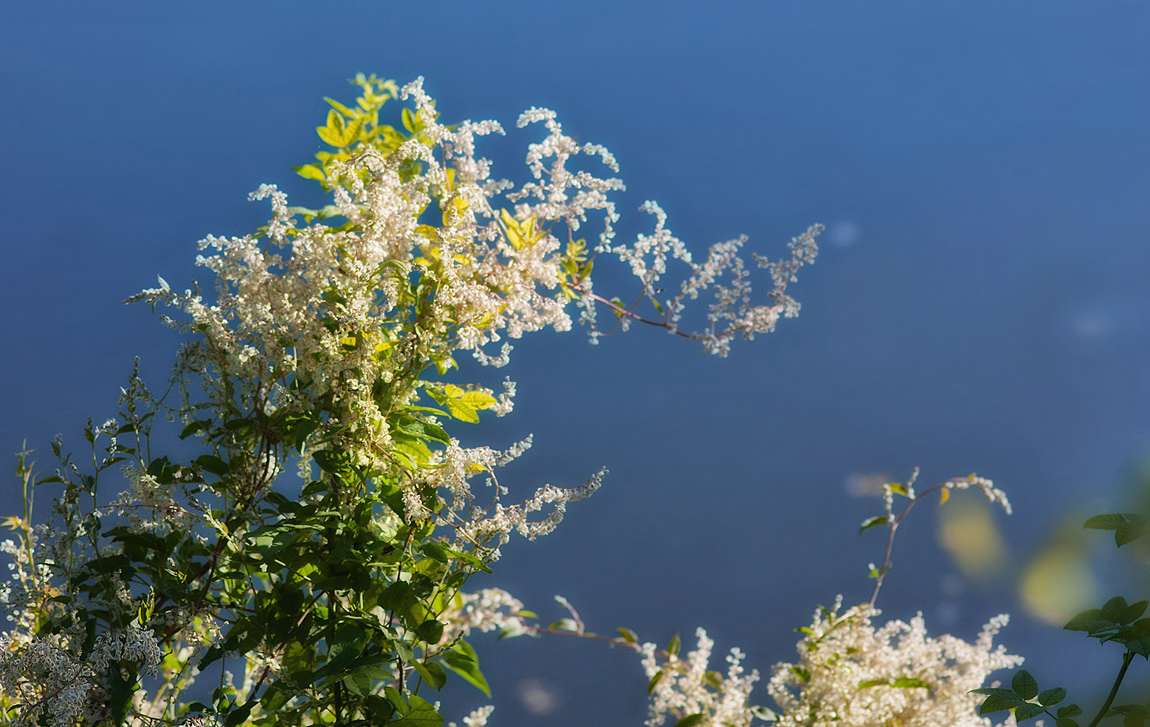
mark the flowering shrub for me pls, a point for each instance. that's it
(331, 348)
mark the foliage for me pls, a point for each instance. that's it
(1116, 621)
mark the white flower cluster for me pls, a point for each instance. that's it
(851, 674)
(684, 687)
(499, 524)
(992, 493)
(489, 609)
(477, 718)
(335, 307)
(156, 500)
(46, 679)
(132, 644)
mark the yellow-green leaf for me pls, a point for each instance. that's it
(462, 411)
(310, 171)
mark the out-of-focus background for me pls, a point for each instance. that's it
(980, 302)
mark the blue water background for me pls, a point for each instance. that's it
(980, 302)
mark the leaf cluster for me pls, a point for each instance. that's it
(1025, 701)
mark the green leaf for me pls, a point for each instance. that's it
(430, 631)
(629, 636)
(1024, 685)
(691, 720)
(463, 660)
(1113, 609)
(868, 683)
(1051, 697)
(298, 659)
(432, 673)
(654, 682)
(1127, 526)
(422, 429)
(410, 120)
(310, 171)
(349, 641)
(462, 411)
(1133, 612)
(213, 464)
(1028, 710)
(872, 523)
(1104, 522)
(416, 714)
(478, 399)
(121, 691)
(764, 714)
(999, 702)
(1128, 532)
(435, 550)
(340, 107)
(1070, 710)
(196, 426)
(273, 699)
(238, 716)
(675, 645)
(993, 690)
(909, 683)
(1084, 620)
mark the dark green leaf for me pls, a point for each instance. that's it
(430, 631)
(909, 683)
(1028, 710)
(1104, 522)
(999, 702)
(1127, 532)
(675, 645)
(121, 691)
(196, 426)
(1070, 710)
(416, 714)
(1133, 612)
(239, 716)
(629, 636)
(349, 641)
(273, 699)
(691, 720)
(1051, 697)
(992, 690)
(872, 523)
(434, 550)
(1083, 620)
(1024, 685)
(432, 673)
(212, 464)
(1113, 609)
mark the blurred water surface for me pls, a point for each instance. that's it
(980, 302)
